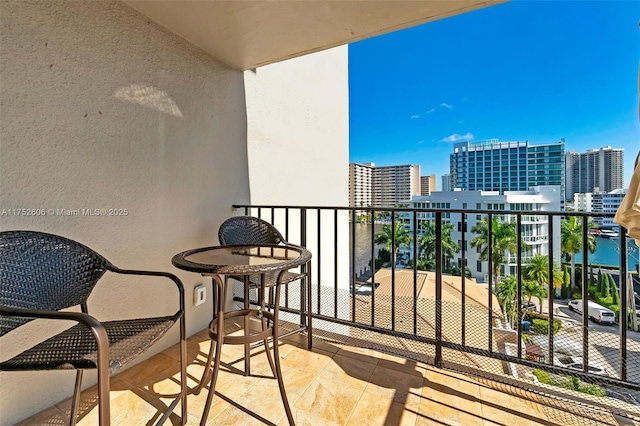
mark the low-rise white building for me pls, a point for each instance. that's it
(607, 202)
(535, 227)
(583, 202)
(600, 202)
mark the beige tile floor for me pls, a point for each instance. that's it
(331, 385)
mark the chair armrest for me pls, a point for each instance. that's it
(96, 327)
(172, 277)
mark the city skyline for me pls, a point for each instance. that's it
(414, 93)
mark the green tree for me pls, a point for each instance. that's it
(427, 242)
(531, 289)
(507, 292)
(541, 293)
(537, 270)
(571, 241)
(422, 264)
(503, 239)
(454, 269)
(615, 298)
(566, 282)
(606, 285)
(402, 237)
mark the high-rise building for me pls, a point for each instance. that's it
(597, 169)
(446, 183)
(492, 165)
(427, 184)
(386, 186)
(360, 184)
(391, 185)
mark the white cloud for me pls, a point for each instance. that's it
(456, 137)
(414, 116)
(446, 105)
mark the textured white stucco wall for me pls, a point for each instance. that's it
(298, 147)
(101, 108)
(298, 132)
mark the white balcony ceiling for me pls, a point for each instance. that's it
(249, 34)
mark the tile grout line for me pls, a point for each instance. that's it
(363, 391)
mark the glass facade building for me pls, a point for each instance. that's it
(492, 165)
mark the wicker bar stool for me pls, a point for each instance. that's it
(239, 230)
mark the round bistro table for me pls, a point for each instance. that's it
(223, 261)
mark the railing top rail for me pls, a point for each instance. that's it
(427, 210)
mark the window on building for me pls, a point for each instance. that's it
(479, 266)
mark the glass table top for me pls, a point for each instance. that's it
(241, 259)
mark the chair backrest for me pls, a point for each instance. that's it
(240, 230)
(44, 272)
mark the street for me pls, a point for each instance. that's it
(603, 346)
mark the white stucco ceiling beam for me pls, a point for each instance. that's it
(249, 34)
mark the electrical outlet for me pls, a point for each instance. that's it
(199, 294)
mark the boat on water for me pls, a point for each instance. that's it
(607, 233)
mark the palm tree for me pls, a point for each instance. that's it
(402, 237)
(506, 292)
(504, 238)
(422, 264)
(531, 289)
(427, 242)
(571, 240)
(537, 270)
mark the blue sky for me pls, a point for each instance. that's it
(524, 70)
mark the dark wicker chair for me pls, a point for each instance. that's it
(239, 230)
(41, 274)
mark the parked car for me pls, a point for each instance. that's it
(575, 363)
(528, 306)
(562, 345)
(596, 312)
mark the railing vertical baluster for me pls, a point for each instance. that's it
(440, 341)
(551, 287)
(353, 265)
(463, 271)
(335, 262)
(318, 268)
(624, 314)
(393, 270)
(373, 267)
(490, 276)
(518, 325)
(304, 269)
(438, 356)
(286, 224)
(415, 272)
(585, 295)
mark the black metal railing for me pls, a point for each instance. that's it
(449, 321)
